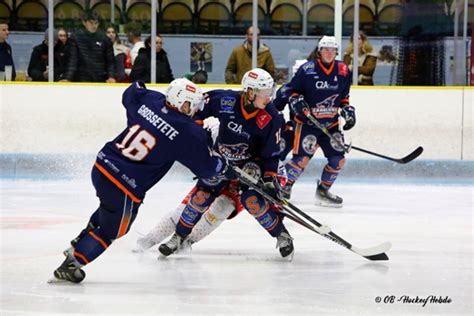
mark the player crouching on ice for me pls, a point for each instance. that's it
(249, 137)
(226, 206)
(320, 88)
(159, 132)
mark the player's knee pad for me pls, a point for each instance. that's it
(220, 209)
(254, 203)
(337, 162)
(201, 200)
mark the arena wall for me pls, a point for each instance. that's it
(80, 118)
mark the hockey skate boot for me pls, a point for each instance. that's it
(171, 245)
(70, 270)
(286, 191)
(326, 198)
(285, 244)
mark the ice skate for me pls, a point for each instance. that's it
(326, 198)
(286, 191)
(70, 270)
(171, 245)
(285, 245)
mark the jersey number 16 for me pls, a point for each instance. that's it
(137, 143)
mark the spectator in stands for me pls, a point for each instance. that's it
(141, 68)
(61, 54)
(240, 60)
(6, 56)
(367, 59)
(198, 77)
(120, 53)
(92, 54)
(38, 66)
(133, 31)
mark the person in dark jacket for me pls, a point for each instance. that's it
(141, 67)
(6, 57)
(38, 66)
(92, 55)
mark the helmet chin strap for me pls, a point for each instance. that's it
(248, 105)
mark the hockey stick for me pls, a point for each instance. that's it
(414, 154)
(375, 253)
(411, 156)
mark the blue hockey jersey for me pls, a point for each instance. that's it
(244, 136)
(156, 137)
(324, 89)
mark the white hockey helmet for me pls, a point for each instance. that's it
(328, 42)
(181, 90)
(260, 81)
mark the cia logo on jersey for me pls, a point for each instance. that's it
(227, 104)
(309, 144)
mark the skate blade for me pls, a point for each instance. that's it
(327, 204)
(289, 258)
(55, 280)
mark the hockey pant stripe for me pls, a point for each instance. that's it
(126, 218)
(296, 141)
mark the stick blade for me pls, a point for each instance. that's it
(378, 257)
(412, 155)
(377, 253)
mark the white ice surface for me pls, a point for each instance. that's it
(237, 270)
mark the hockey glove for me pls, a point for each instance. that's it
(349, 115)
(271, 186)
(227, 171)
(299, 106)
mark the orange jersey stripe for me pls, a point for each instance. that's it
(117, 183)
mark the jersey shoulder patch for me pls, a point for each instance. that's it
(343, 70)
(263, 118)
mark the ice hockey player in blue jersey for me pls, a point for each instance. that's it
(320, 86)
(249, 137)
(159, 132)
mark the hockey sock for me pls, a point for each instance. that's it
(198, 204)
(262, 212)
(331, 171)
(91, 245)
(295, 167)
(217, 213)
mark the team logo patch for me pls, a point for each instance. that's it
(253, 75)
(253, 170)
(227, 104)
(309, 144)
(334, 144)
(343, 70)
(263, 119)
(235, 152)
(190, 88)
